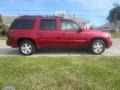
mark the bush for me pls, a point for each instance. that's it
(3, 30)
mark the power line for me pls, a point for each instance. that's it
(87, 13)
(53, 10)
(78, 15)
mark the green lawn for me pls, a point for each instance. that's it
(60, 73)
(115, 35)
(3, 38)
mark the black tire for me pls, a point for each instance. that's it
(92, 47)
(31, 47)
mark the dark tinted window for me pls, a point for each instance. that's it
(48, 25)
(22, 24)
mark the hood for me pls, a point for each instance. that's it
(92, 30)
(97, 32)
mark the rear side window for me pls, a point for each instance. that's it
(22, 24)
(48, 25)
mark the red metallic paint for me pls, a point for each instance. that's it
(57, 38)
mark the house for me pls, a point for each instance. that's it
(111, 27)
(81, 21)
(9, 19)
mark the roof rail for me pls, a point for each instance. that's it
(34, 16)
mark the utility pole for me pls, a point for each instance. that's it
(115, 18)
(115, 22)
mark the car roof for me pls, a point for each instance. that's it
(37, 16)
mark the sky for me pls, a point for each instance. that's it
(96, 11)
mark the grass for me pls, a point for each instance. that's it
(60, 73)
(3, 37)
(114, 35)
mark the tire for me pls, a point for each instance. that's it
(26, 47)
(97, 47)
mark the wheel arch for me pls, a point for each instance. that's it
(22, 39)
(98, 38)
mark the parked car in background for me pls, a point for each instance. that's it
(29, 33)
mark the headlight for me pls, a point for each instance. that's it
(109, 37)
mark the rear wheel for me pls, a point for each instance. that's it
(26, 47)
(97, 47)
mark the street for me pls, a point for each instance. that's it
(8, 51)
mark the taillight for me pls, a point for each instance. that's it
(8, 34)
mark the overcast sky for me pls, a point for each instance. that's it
(94, 10)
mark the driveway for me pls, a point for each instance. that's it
(113, 51)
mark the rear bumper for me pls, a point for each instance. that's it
(11, 43)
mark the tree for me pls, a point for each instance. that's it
(1, 21)
(114, 14)
(3, 28)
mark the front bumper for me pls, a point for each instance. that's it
(109, 43)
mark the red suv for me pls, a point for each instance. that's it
(29, 33)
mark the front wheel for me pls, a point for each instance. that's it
(26, 47)
(97, 47)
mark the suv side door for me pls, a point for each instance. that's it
(48, 33)
(71, 36)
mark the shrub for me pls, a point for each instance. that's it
(3, 30)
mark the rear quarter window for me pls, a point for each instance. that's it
(22, 24)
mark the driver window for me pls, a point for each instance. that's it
(69, 26)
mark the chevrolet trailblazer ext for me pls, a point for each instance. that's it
(29, 33)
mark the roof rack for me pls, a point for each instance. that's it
(34, 16)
